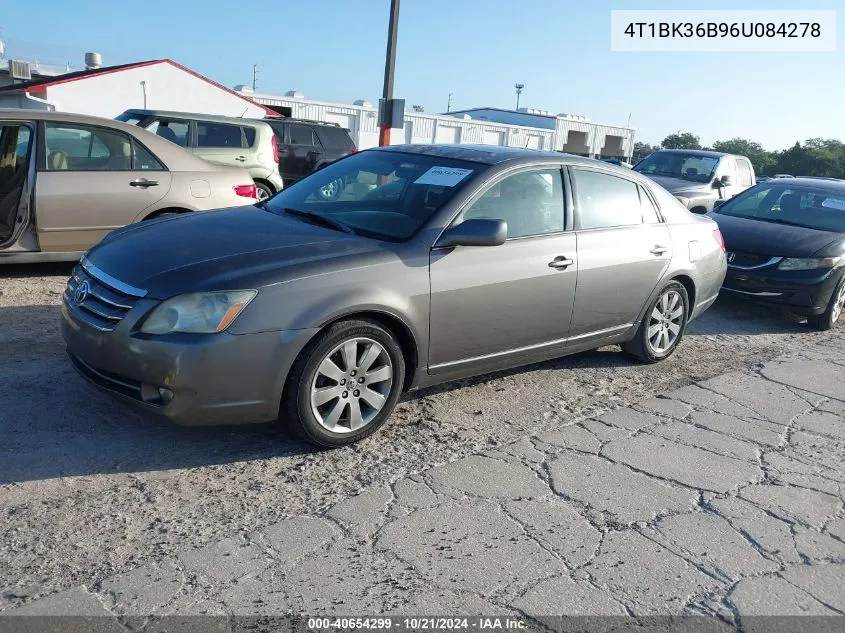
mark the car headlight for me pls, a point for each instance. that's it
(791, 263)
(199, 313)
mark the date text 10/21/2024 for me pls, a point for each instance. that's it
(416, 623)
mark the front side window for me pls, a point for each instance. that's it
(218, 135)
(531, 202)
(605, 201)
(810, 207)
(382, 194)
(692, 167)
(83, 148)
(173, 131)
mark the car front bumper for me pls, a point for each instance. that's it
(208, 379)
(804, 292)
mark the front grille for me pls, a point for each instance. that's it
(745, 259)
(104, 301)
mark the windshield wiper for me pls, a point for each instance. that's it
(321, 219)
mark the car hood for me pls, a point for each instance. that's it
(768, 238)
(681, 187)
(227, 249)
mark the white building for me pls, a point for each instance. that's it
(159, 84)
(490, 126)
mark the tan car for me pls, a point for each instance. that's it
(67, 180)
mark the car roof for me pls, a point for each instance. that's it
(196, 116)
(697, 152)
(822, 184)
(488, 154)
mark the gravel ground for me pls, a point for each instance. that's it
(89, 488)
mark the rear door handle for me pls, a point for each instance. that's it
(658, 249)
(240, 158)
(143, 182)
(561, 262)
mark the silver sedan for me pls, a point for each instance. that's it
(434, 263)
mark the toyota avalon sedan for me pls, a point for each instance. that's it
(786, 246)
(434, 263)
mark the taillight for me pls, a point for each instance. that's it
(717, 235)
(247, 191)
(275, 149)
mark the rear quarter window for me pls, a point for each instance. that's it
(335, 137)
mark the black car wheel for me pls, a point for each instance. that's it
(827, 319)
(663, 325)
(345, 384)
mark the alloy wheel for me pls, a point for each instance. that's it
(838, 304)
(351, 385)
(330, 190)
(665, 322)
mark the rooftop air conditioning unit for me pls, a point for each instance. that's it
(19, 70)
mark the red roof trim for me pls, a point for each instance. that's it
(117, 69)
(40, 87)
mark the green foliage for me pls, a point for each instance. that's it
(682, 140)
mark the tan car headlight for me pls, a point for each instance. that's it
(198, 313)
(792, 263)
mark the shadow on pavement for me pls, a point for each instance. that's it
(53, 424)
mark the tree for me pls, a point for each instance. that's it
(682, 140)
(817, 157)
(641, 150)
(762, 160)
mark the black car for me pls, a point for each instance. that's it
(305, 146)
(785, 241)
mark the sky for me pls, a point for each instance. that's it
(334, 50)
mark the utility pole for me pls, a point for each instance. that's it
(389, 67)
(518, 88)
(449, 103)
(254, 76)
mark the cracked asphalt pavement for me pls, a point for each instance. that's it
(713, 483)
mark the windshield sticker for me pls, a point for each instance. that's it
(834, 203)
(445, 176)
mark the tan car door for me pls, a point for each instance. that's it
(92, 180)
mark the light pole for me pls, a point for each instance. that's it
(389, 67)
(518, 88)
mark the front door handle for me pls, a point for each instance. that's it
(658, 250)
(561, 262)
(143, 182)
(240, 158)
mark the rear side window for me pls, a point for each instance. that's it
(606, 201)
(249, 135)
(218, 135)
(173, 131)
(335, 137)
(745, 178)
(649, 212)
(81, 148)
(300, 134)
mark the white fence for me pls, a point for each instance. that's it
(572, 135)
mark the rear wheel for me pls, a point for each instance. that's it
(262, 191)
(345, 384)
(663, 326)
(827, 319)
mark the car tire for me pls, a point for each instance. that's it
(656, 338)
(835, 308)
(331, 190)
(262, 191)
(345, 384)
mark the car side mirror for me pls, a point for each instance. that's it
(475, 232)
(725, 180)
(718, 203)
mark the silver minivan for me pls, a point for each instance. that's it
(245, 143)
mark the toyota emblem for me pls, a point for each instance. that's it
(81, 292)
(731, 257)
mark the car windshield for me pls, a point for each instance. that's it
(382, 194)
(693, 167)
(808, 206)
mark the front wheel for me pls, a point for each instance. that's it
(663, 326)
(345, 384)
(331, 190)
(827, 319)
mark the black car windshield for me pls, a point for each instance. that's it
(773, 201)
(381, 194)
(693, 167)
